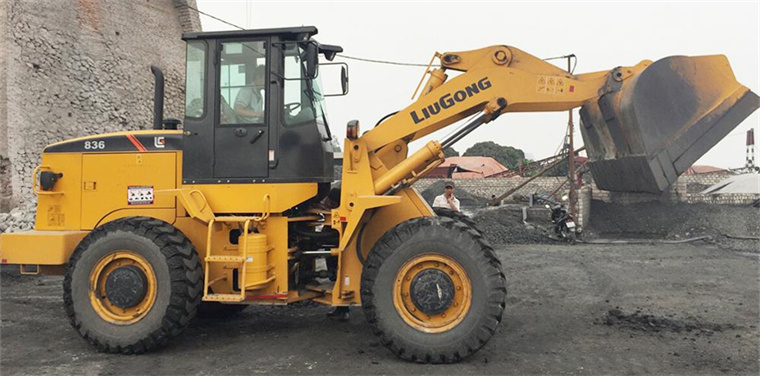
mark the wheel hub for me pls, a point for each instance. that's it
(432, 291)
(126, 286)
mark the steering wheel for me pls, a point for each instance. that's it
(290, 107)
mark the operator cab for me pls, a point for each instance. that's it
(254, 108)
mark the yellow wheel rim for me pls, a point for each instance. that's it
(407, 297)
(109, 311)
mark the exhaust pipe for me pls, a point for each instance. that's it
(158, 98)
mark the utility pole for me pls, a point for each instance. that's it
(750, 165)
(571, 154)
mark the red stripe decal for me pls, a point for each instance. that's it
(275, 296)
(136, 142)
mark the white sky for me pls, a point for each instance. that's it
(602, 34)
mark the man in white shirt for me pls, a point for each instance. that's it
(447, 199)
(249, 103)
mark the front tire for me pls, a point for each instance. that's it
(132, 284)
(457, 216)
(433, 290)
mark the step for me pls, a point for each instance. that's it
(238, 259)
(223, 298)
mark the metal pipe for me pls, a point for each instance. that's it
(469, 127)
(543, 170)
(423, 157)
(158, 97)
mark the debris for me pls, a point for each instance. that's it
(639, 321)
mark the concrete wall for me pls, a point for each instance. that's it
(584, 206)
(678, 192)
(72, 68)
(497, 186)
(675, 193)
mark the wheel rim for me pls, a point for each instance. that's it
(432, 293)
(122, 287)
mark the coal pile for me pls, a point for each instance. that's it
(504, 225)
(465, 199)
(677, 221)
(639, 321)
(696, 187)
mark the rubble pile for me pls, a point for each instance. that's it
(19, 219)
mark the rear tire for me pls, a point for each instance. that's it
(444, 324)
(572, 237)
(132, 284)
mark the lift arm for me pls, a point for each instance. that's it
(525, 82)
(642, 125)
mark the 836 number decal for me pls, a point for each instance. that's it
(94, 145)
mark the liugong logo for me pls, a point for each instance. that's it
(448, 100)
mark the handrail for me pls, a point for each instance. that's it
(35, 185)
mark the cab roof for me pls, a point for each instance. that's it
(289, 33)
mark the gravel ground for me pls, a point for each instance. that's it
(584, 309)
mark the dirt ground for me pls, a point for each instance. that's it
(584, 309)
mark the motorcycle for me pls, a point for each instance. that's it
(564, 224)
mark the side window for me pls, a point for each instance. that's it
(299, 94)
(242, 96)
(195, 79)
(303, 101)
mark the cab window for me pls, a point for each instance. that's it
(243, 77)
(195, 83)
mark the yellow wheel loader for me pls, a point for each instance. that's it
(239, 206)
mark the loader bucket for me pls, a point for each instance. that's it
(652, 126)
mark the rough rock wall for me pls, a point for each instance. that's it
(72, 68)
(5, 163)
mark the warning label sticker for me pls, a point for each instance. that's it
(140, 195)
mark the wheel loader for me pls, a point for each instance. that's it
(240, 206)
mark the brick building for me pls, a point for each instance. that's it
(70, 68)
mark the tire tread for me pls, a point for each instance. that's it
(484, 256)
(186, 270)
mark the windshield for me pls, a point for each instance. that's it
(303, 102)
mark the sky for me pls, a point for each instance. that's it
(603, 35)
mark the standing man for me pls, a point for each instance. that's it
(447, 199)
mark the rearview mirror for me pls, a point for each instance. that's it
(330, 79)
(344, 79)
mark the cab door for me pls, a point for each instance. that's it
(241, 140)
